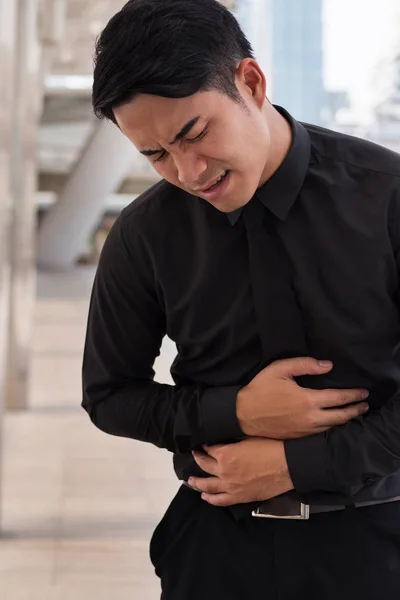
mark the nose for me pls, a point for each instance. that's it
(190, 168)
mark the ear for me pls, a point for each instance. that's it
(251, 81)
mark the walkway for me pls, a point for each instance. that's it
(79, 506)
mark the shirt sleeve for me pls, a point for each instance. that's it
(345, 459)
(126, 326)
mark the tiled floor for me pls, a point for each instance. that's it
(78, 506)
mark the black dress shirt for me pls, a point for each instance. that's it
(174, 265)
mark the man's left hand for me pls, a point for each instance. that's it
(251, 470)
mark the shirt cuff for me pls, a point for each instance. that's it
(220, 421)
(309, 464)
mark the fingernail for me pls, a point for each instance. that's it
(366, 408)
(364, 394)
(325, 363)
(190, 481)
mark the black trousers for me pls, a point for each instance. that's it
(201, 552)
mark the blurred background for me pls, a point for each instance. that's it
(77, 507)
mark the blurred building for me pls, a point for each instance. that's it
(384, 127)
(335, 101)
(297, 57)
(254, 19)
(388, 111)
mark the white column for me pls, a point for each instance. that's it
(7, 41)
(262, 35)
(25, 117)
(99, 172)
(253, 16)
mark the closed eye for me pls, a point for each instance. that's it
(189, 141)
(200, 136)
(161, 157)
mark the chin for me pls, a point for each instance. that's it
(229, 205)
(232, 204)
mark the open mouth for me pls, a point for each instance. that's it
(219, 181)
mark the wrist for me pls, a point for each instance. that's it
(242, 402)
(282, 471)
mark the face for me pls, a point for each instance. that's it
(206, 144)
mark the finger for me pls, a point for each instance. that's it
(333, 398)
(206, 462)
(294, 367)
(210, 485)
(213, 450)
(219, 499)
(342, 416)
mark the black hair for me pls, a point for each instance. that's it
(169, 48)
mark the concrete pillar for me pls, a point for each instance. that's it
(254, 18)
(52, 28)
(99, 171)
(25, 116)
(7, 41)
(262, 38)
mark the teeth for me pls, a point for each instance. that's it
(217, 181)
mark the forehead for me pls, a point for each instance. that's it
(161, 118)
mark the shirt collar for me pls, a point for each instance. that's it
(281, 190)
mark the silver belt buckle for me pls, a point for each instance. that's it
(303, 515)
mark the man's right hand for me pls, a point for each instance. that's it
(273, 405)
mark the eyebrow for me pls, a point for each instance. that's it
(184, 131)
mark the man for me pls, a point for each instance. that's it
(269, 254)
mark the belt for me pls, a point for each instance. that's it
(284, 507)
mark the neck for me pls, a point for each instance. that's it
(280, 141)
